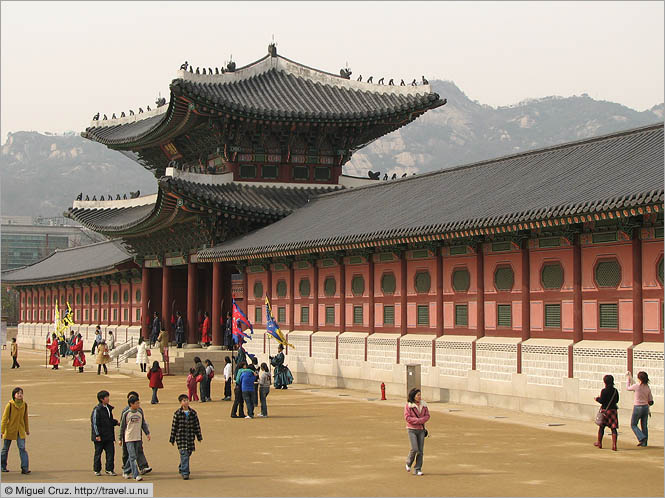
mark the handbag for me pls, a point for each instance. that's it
(600, 416)
(199, 378)
(148, 352)
(211, 374)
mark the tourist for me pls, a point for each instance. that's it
(15, 427)
(200, 376)
(141, 460)
(264, 389)
(209, 375)
(416, 414)
(14, 353)
(205, 330)
(79, 355)
(156, 327)
(228, 331)
(642, 401)
(241, 356)
(142, 354)
(245, 377)
(179, 329)
(238, 408)
(98, 339)
(155, 376)
(608, 399)
(228, 378)
(110, 341)
(254, 367)
(283, 376)
(191, 385)
(103, 434)
(184, 428)
(52, 346)
(132, 427)
(71, 342)
(163, 340)
(103, 357)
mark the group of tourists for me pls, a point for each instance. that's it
(74, 347)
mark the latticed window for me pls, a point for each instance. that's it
(258, 289)
(304, 314)
(281, 314)
(115, 296)
(462, 315)
(95, 315)
(461, 280)
(48, 300)
(281, 288)
(423, 314)
(553, 316)
(78, 315)
(608, 274)
(609, 316)
(389, 315)
(504, 278)
(138, 296)
(304, 287)
(269, 171)
(105, 297)
(106, 315)
(69, 299)
(86, 298)
(329, 286)
(87, 316)
(504, 317)
(125, 314)
(257, 314)
(322, 173)
(78, 299)
(422, 281)
(247, 171)
(357, 315)
(552, 276)
(115, 314)
(388, 283)
(660, 271)
(95, 298)
(330, 315)
(138, 315)
(41, 299)
(358, 285)
(300, 173)
(125, 296)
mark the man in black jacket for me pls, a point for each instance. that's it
(156, 328)
(103, 434)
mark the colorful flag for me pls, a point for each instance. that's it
(239, 318)
(273, 328)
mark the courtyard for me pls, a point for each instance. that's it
(326, 442)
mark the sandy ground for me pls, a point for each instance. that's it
(327, 442)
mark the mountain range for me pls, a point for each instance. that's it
(42, 173)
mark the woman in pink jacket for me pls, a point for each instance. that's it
(416, 415)
(643, 400)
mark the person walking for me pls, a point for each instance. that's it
(210, 374)
(103, 434)
(283, 376)
(608, 399)
(184, 428)
(245, 377)
(200, 376)
(14, 353)
(142, 354)
(264, 388)
(14, 427)
(641, 403)
(132, 427)
(179, 330)
(79, 355)
(228, 378)
(254, 367)
(205, 330)
(52, 346)
(98, 339)
(141, 460)
(416, 414)
(238, 408)
(110, 341)
(156, 327)
(155, 377)
(103, 357)
(191, 385)
(163, 340)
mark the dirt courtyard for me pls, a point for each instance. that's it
(325, 442)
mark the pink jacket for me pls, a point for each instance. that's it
(416, 416)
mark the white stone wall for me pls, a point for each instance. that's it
(545, 365)
(496, 361)
(323, 348)
(255, 346)
(351, 351)
(592, 360)
(301, 343)
(652, 363)
(381, 352)
(417, 350)
(454, 358)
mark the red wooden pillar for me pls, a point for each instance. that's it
(166, 297)
(315, 302)
(638, 319)
(192, 303)
(21, 296)
(216, 304)
(292, 298)
(245, 290)
(109, 294)
(119, 303)
(526, 302)
(402, 294)
(578, 333)
(145, 302)
(370, 290)
(480, 301)
(342, 290)
(439, 294)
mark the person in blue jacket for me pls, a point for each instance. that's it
(245, 377)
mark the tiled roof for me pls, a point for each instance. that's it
(75, 262)
(111, 219)
(612, 172)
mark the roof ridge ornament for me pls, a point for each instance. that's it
(272, 48)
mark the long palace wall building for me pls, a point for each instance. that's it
(515, 282)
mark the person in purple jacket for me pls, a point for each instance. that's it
(416, 414)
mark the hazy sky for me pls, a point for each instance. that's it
(62, 62)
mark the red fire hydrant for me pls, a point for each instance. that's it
(383, 391)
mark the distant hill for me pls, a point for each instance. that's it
(42, 174)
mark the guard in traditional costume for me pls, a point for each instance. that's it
(283, 376)
(79, 355)
(53, 346)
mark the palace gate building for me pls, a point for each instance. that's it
(517, 282)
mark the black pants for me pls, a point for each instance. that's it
(238, 404)
(154, 396)
(94, 345)
(109, 448)
(227, 388)
(99, 368)
(15, 363)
